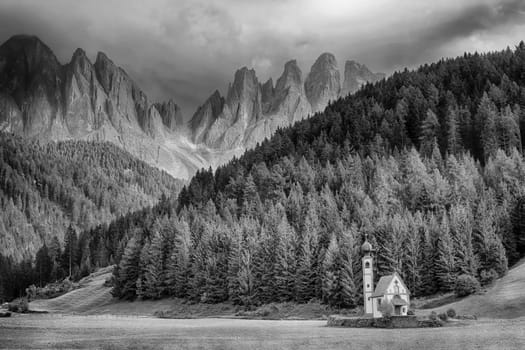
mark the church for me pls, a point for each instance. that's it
(390, 289)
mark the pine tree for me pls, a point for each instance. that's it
(508, 130)
(182, 251)
(445, 264)
(305, 276)
(429, 133)
(153, 269)
(245, 277)
(490, 249)
(429, 257)
(128, 271)
(284, 262)
(234, 265)
(70, 254)
(486, 118)
(348, 288)
(413, 262)
(330, 273)
(461, 231)
(43, 265)
(453, 136)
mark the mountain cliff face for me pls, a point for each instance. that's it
(252, 111)
(42, 99)
(356, 75)
(323, 83)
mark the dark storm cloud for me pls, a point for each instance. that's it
(453, 33)
(480, 17)
(186, 49)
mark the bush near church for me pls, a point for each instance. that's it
(466, 285)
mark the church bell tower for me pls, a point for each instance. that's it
(368, 276)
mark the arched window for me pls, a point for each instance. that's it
(367, 265)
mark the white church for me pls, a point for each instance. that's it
(390, 288)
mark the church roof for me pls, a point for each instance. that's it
(384, 283)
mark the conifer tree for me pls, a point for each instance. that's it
(348, 288)
(128, 271)
(453, 136)
(264, 266)
(70, 254)
(490, 249)
(330, 283)
(445, 263)
(153, 269)
(245, 276)
(486, 119)
(429, 256)
(461, 231)
(429, 133)
(178, 264)
(413, 261)
(305, 276)
(284, 261)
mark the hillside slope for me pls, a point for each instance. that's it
(504, 299)
(46, 188)
(92, 293)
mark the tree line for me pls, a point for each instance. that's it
(293, 232)
(46, 188)
(427, 163)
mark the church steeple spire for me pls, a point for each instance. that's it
(366, 248)
(368, 276)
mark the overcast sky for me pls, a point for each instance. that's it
(186, 49)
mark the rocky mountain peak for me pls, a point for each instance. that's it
(244, 97)
(323, 82)
(105, 69)
(244, 82)
(356, 75)
(267, 93)
(27, 55)
(205, 116)
(171, 114)
(80, 62)
(292, 77)
(79, 54)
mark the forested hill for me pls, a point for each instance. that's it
(474, 103)
(45, 188)
(428, 163)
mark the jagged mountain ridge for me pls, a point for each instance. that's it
(45, 100)
(252, 111)
(40, 98)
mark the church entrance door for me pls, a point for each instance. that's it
(397, 310)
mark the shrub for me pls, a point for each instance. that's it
(487, 277)
(433, 316)
(19, 305)
(466, 285)
(411, 312)
(386, 308)
(451, 313)
(443, 316)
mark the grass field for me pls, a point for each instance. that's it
(86, 318)
(53, 331)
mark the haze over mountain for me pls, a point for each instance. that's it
(40, 98)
